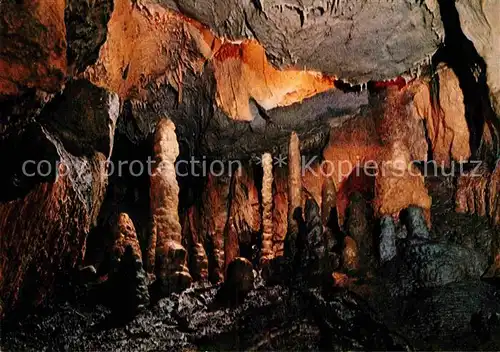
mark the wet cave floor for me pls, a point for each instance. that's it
(430, 297)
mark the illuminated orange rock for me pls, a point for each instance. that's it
(33, 49)
(243, 72)
(294, 180)
(198, 261)
(267, 208)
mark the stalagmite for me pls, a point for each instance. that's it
(415, 223)
(165, 252)
(294, 193)
(267, 208)
(328, 200)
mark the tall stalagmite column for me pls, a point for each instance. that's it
(165, 253)
(267, 208)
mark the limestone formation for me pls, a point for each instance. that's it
(166, 254)
(267, 208)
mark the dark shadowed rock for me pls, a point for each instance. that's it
(387, 239)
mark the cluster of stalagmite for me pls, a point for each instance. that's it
(267, 208)
(166, 255)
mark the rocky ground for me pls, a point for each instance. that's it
(429, 297)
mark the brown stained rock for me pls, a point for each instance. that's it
(125, 235)
(280, 211)
(33, 50)
(446, 125)
(267, 207)
(166, 255)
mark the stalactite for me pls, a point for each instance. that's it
(280, 211)
(267, 208)
(294, 193)
(165, 252)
